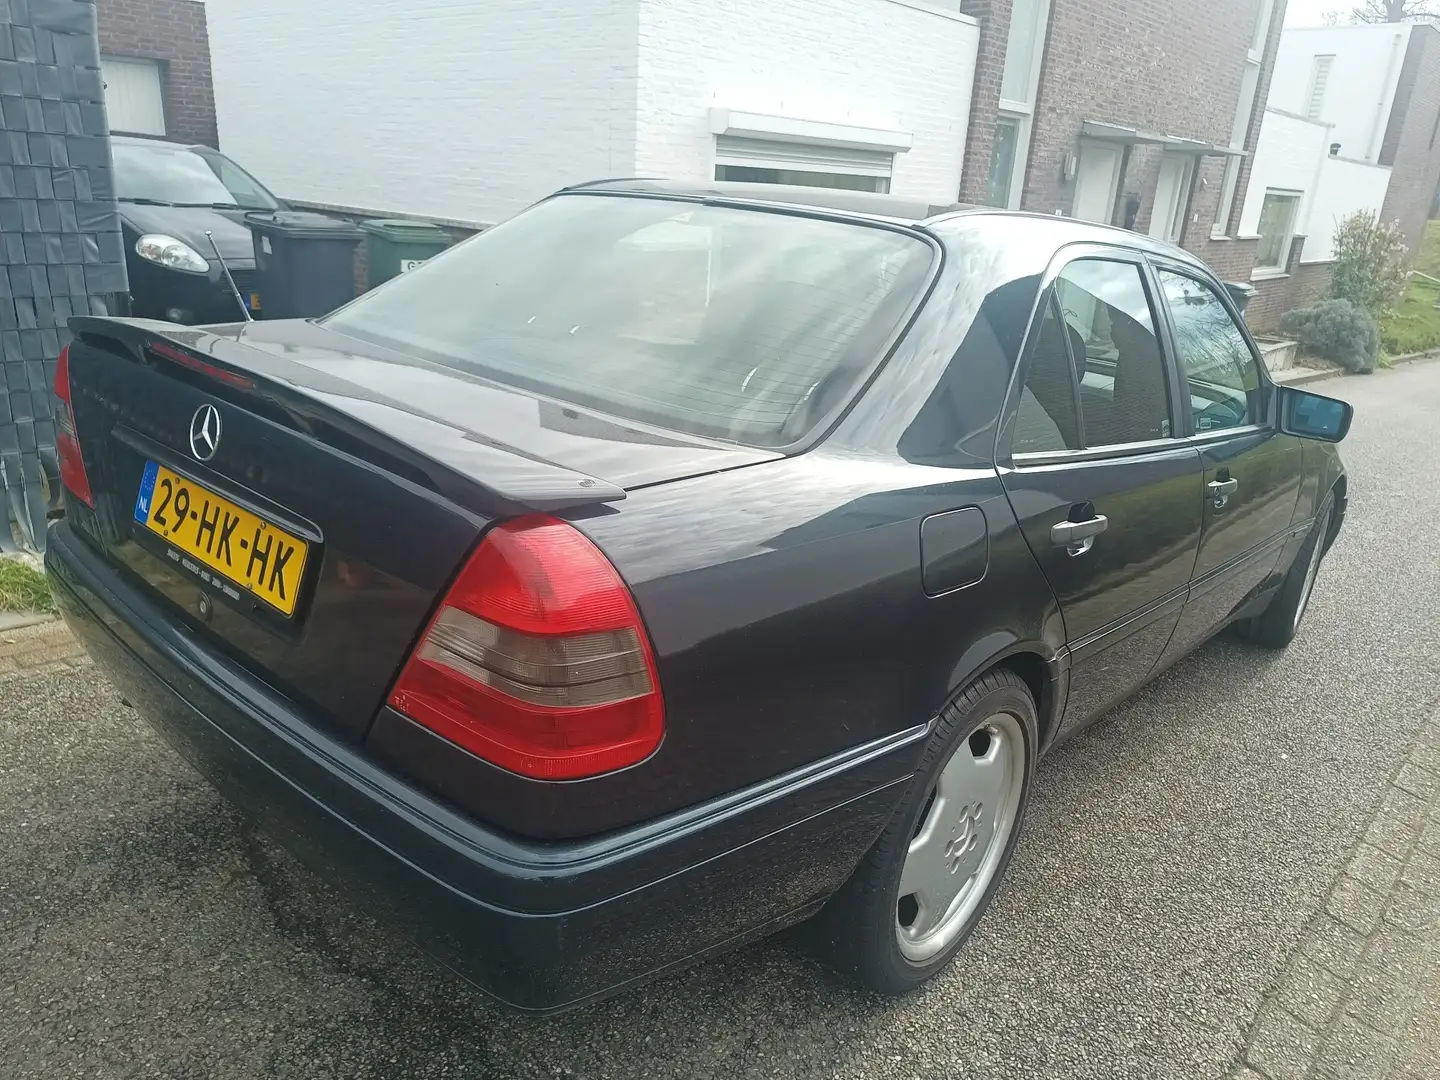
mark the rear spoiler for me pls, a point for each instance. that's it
(482, 475)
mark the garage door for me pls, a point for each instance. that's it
(133, 99)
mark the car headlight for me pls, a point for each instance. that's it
(171, 253)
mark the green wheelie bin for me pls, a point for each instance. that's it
(393, 246)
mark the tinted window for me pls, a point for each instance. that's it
(185, 177)
(1123, 398)
(1046, 418)
(727, 323)
(1217, 361)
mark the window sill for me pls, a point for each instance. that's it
(1270, 274)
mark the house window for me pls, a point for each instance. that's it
(1002, 160)
(1319, 79)
(1277, 228)
(762, 161)
(134, 101)
(1019, 83)
(1244, 110)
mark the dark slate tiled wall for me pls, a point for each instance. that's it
(60, 248)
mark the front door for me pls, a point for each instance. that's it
(1097, 179)
(1252, 471)
(1172, 193)
(1107, 497)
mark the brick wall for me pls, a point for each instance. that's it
(173, 32)
(1152, 65)
(1412, 138)
(1305, 283)
(994, 16)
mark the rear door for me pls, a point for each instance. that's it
(1107, 495)
(1252, 471)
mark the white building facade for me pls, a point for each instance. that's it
(466, 111)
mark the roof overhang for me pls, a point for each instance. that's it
(1096, 129)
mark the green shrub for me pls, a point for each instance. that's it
(1369, 262)
(1337, 330)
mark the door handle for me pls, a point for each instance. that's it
(1221, 490)
(1078, 537)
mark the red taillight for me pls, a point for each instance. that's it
(537, 660)
(67, 444)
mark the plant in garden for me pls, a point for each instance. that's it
(1369, 262)
(1338, 330)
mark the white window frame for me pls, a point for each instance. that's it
(110, 68)
(1320, 70)
(1287, 241)
(1244, 113)
(1024, 111)
(753, 141)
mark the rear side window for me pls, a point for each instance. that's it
(1123, 396)
(732, 324)
(1047, 418)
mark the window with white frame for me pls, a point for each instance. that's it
(134, 95)
(764, 161)
(1019, 82)
(1244, 110)
(1319, 79)
(1277, 229)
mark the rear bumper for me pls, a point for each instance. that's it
(540, 926)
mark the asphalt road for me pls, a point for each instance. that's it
(1170, 859)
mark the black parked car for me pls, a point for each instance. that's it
(666, 566)
(170, 196)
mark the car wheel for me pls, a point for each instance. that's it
(1276, 626)
(923, 887)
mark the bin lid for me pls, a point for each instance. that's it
(302, 224)
(402, 231)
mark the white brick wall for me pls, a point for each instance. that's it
(869, 63)
(1287, 156)
(471, 109)
(464, 109)
(1344, 188)
(1361, 88)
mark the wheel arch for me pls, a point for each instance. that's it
(1036, 665)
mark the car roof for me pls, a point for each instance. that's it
(894, 209)
(134, 140)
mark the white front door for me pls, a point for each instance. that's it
(1172, 191)
(1097, 179)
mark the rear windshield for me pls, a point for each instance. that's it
(725, 323)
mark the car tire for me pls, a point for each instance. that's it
(1277, 625)
(942, 830)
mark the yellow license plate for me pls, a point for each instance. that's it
(264, 560)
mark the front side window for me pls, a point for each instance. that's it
(1111, 328)
(1277, 227)
(1214, 355)
(720, 322)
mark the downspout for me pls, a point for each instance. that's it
(1386, 96)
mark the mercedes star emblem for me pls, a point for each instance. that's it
(205, 432)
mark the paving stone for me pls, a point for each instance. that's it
(1376, 868)
(1311, 994)
(1419, 782)
(1281, 1047)
(1414, 910)
(1356, 904)
(1422, 871)
(1354, 1051)
(1334, 946)
(1393, 833)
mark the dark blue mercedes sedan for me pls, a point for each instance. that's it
(667, 566)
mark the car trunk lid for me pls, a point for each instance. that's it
(376, 472)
